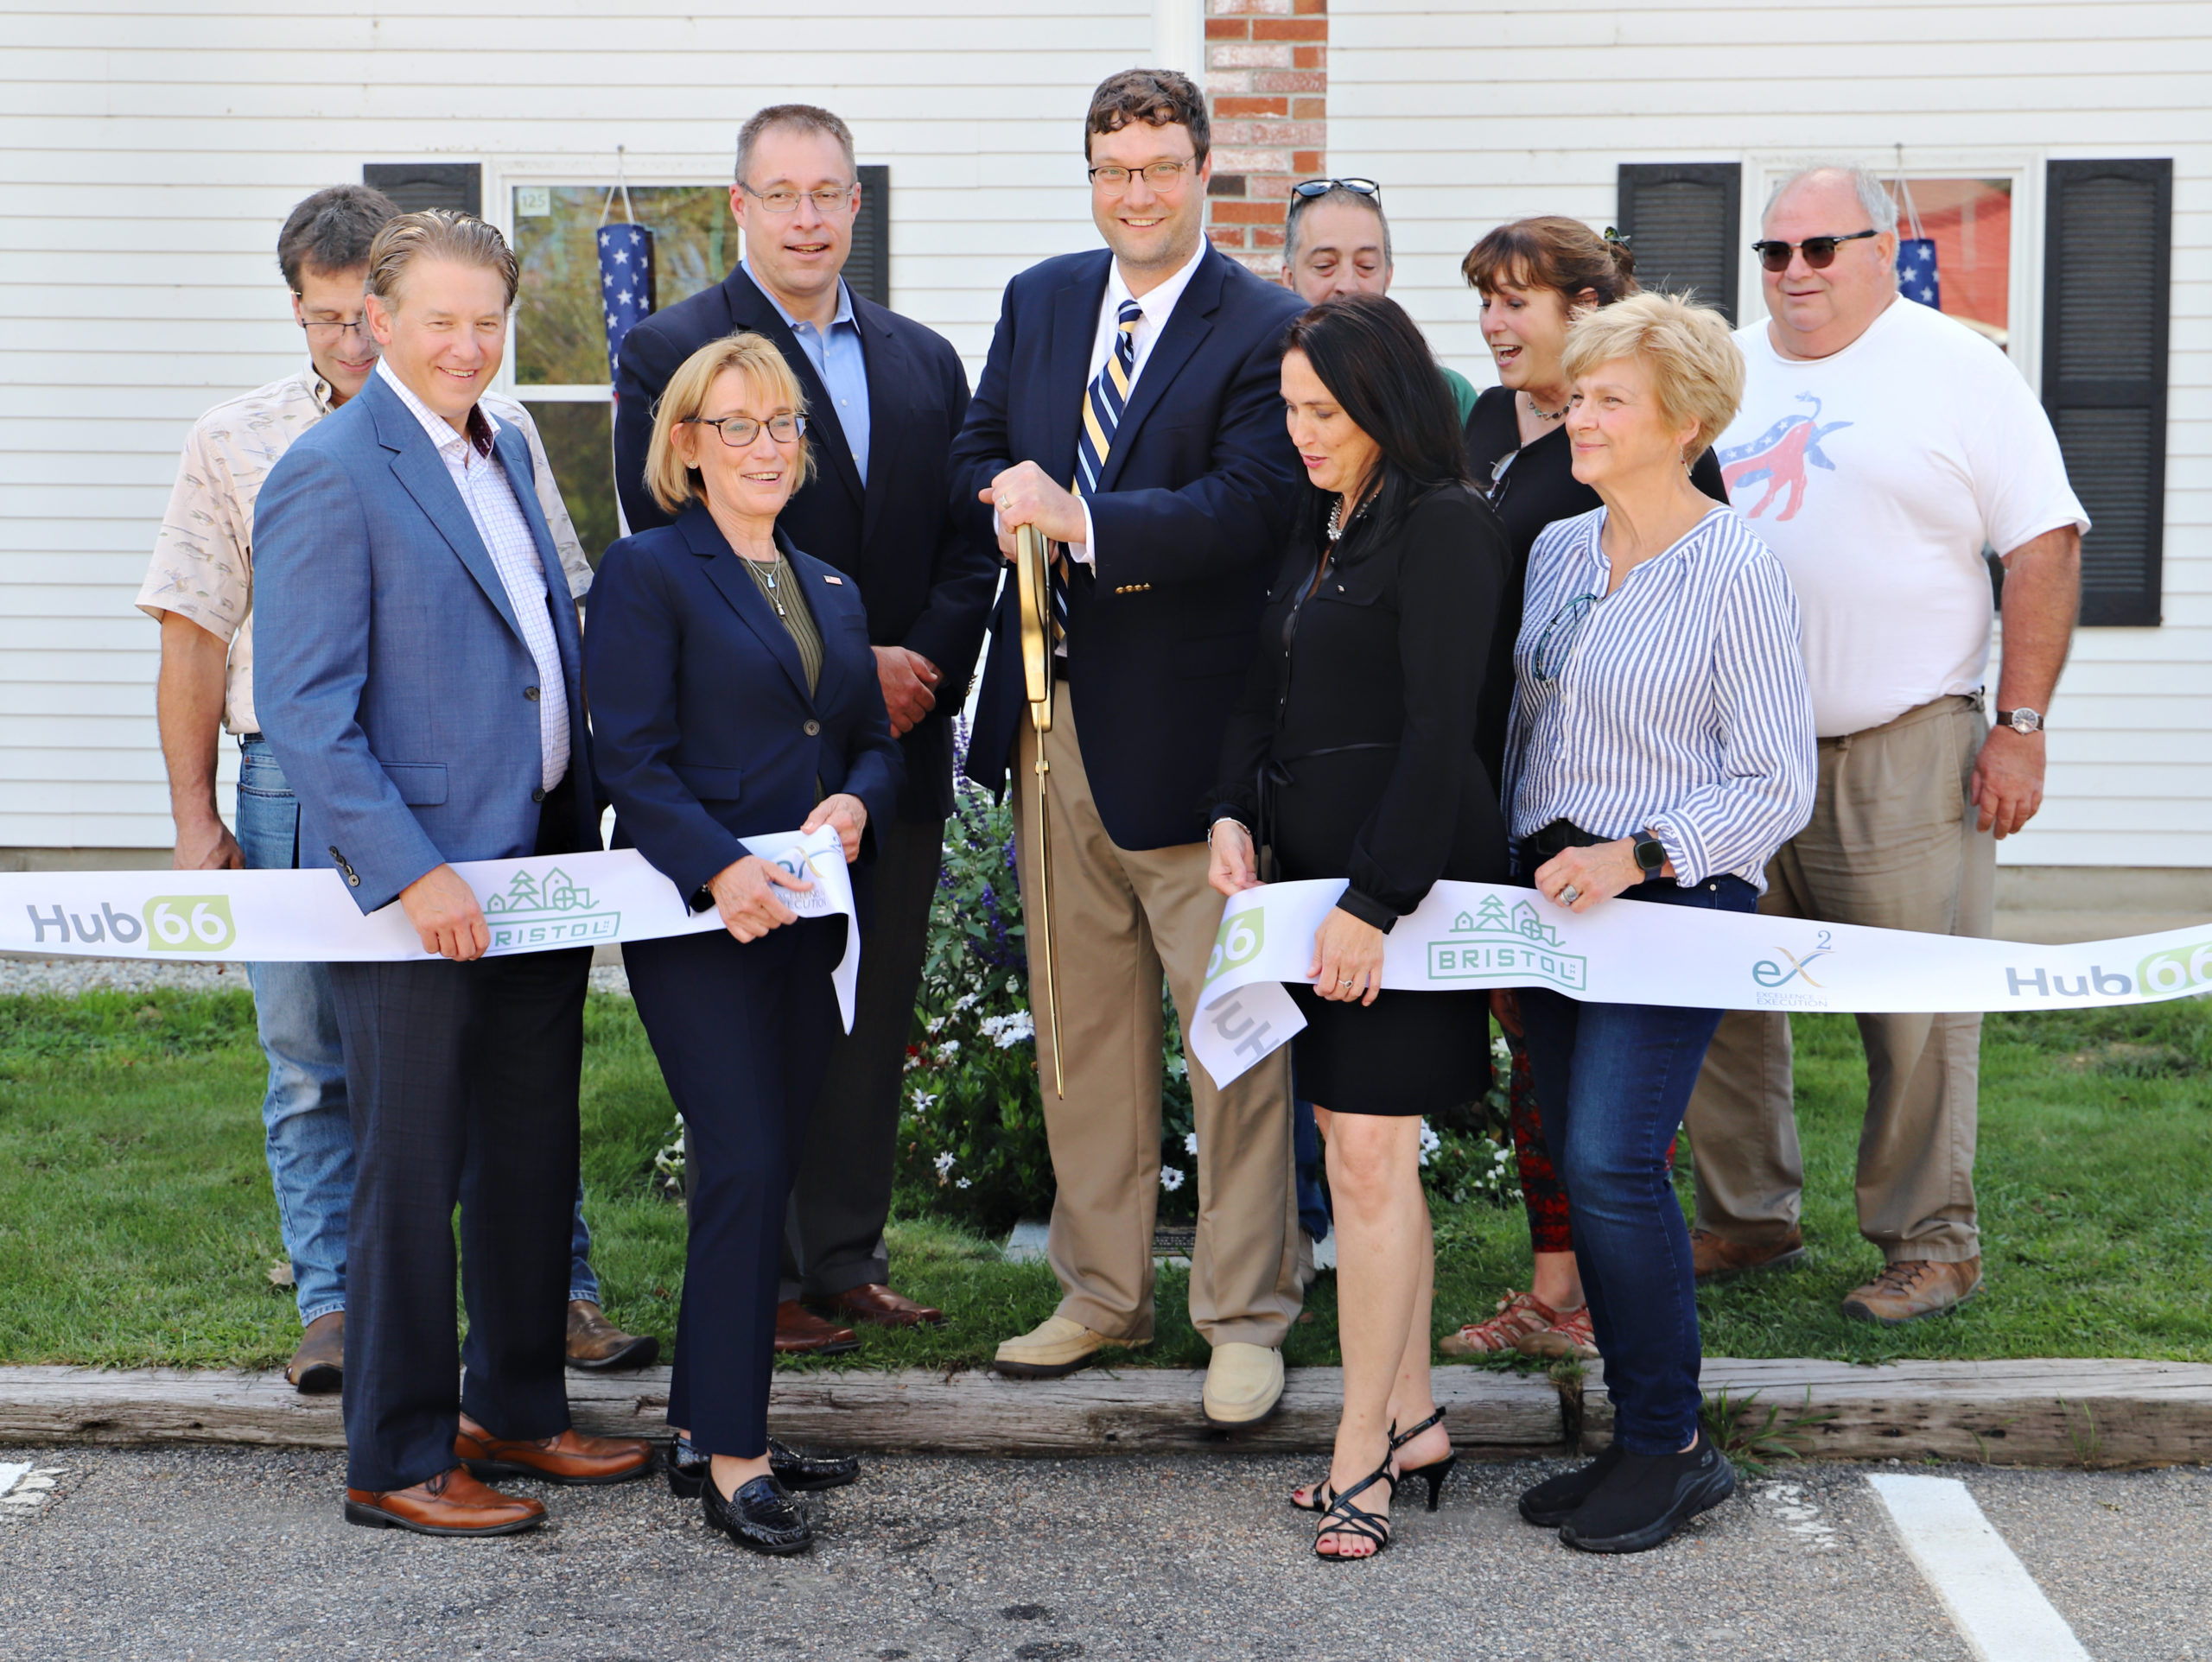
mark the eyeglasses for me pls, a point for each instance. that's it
(1557, 641)
(1819, 251)
(738, 431)
(1306, 189)
(324, 332)
(830, 199)
(1162, 176)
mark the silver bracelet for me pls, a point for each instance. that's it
(1225, 820)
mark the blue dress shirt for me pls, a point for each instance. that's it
(837, 359)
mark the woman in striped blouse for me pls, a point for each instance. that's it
(1661, 750)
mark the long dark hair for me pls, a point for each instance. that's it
(1377, 365)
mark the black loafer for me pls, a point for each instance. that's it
(799, 1473)
(761, 1517)
(1555, 1500)
(1648, 1497)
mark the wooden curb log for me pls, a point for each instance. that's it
(2021, 1413)
(2013, 1413)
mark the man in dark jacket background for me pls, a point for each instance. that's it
(885, 396)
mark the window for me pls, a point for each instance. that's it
(1682, 220)
(2107, 274)
(1970, 223)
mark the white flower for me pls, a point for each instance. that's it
(966, 1001)
(924, 1102)
(948, 1047)
(1501, 1052)
(1170, 1178)
(1191, 1144)
(1009, 1030)
(944, 1162)
(1503, 1155)
(1430, 1142)
(960, 1183)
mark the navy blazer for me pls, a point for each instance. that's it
(704, 729)
(928, 586)
(1191, 515)
(390, 677)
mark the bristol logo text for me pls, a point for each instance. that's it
(551, 912)
(1489, 946)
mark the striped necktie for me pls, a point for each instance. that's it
(1103, 402)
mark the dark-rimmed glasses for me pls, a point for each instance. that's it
(738, 431)
(1162, 176)
(1307, 189)
(1557, 641)
(326, 330)
(1819, 251)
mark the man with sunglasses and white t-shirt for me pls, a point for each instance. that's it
(1880, 448)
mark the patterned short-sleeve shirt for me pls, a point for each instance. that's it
(203, 554)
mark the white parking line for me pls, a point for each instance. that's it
(1993, 1601)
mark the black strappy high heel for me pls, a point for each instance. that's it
(1436, 1471)
(1343, 1518)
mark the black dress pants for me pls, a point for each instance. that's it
(833, 1237)
(742, 1032)
(464, 1081)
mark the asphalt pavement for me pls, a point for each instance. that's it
(218, 1553)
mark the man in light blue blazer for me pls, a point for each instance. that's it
(420, 683)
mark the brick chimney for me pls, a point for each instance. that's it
(1266, 93)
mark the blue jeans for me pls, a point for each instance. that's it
(305, 1112)
(1614, 1080)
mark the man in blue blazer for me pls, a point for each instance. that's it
(1145, 376)
(884, 397)
(420, 682)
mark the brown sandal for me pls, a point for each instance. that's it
(1520, 1315)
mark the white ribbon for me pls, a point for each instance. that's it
(530, 905)
(1473, 937)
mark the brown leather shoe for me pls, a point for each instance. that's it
(452, 1503)
(1912, 1288)
(879, 1306)
(800, 1332)
(319, 1365)
(596, 1345)
(1717, 1261)
(571, 1457)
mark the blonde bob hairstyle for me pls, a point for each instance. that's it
(755, 357)
(1697, 373)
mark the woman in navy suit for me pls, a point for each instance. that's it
(733, 694)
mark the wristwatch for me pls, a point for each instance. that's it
(1650, 854)
(2021, 720)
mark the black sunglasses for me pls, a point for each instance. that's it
(1819, 251)
(1307, 189)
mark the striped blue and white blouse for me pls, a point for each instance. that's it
(1677, 703)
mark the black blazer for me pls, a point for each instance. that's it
(928, 587)
(704, 728)
(1538, 488)
(1352, 750)
(1190, 518)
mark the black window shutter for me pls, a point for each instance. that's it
(868, 269)
(2107, 265)
(1682, 220)
(417, 185)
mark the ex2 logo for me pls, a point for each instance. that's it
(1767, 972)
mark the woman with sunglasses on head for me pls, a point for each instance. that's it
(1661, 750)
(733, 694)
(1535, 276)
(1351, 755)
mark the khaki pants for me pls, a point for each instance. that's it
(1119, 918)
(1891, 844)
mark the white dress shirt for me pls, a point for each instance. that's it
(499, 521)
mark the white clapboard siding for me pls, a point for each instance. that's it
(1473, 114)
(150, 148)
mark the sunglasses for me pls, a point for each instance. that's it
(1819, 251)
(1307, 189)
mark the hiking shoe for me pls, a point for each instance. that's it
(1647, 1498)
(1716, 1262)
(1912, 1288)
(1570, 1336)
(1520, 1315)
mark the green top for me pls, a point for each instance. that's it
(778, 586)
(1463, 392)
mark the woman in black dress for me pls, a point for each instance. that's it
(1353, 755)
(1535, 276)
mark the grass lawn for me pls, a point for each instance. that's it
(137, 1226)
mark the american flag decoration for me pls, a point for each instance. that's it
(1916, 253)
(625, 284)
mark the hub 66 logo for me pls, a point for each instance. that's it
(189, 923)
(1237, 941)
